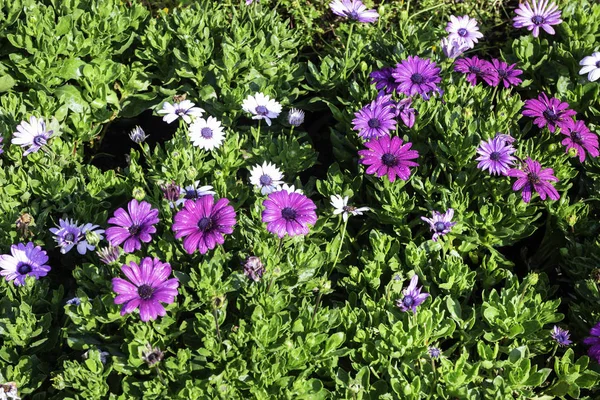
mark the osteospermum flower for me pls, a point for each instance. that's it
(184, 110)
(580, 138)
(133, 226)
(193, 192)
(412, 296)
(452, 47)
(67, 235)
(495, 155)
(109, 255)
(417, 76)
(146, 289)
(262, 107)
(505, 74)
(171, 192)
(475, 68)
(389, 156)
(561, 336)
(440, 224)
(24, 260)
(254, 268)
(464, 29)
(203, 223)
(405, 111)
(383, 80)
(550, 112)
(266, 177)
(374, 120)
(137, 135)
(32, 134)
(295, 117)
(536, 15)
(288, 213)
(532, 178)
(288, 188)
(353, 9)
(591, 66)
(594, 342)
(1, 149)
(434, 352)
(206, 133)
(92, 235)
(340, 205)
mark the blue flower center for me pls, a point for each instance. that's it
(190, 194)
(205, 224)
(373, 123)
(265, 180)
(261, 110)
(39, 140)
(597, 64)
(145, 291)
(501, 72)
(134, 229)
(576, 136)
(24, 268)
(69, 237)
(533, 178)
(408, 301)
(180, 111)
(417, 78)
(439, 226)
(352, 15)
(537, 19)
(389, 160)
(462, 32)
(550, 114)
(474, 69)
(495, 156)
(206, 132)
(288, 213)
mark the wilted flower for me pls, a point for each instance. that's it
(550, 112)
(406, 112)
(475, 68)
(417, 76)
(75, 301)
(580, 138)
(184, 109)
(32, 134)
(254, 268)
(412, 296)
(171, 192)
(452, 47)
(137, 135)
(440, 224)
(206, 133)
(464, 29)
(353, 9)
(288, 213)
(591, 66)
(388, 156)
(295, 117)
(152, 356)
(266, 177)
(22, 224)
(109, 255)
(262, 107)
(505, 74)
(8, 390)
(376, 119)
(537, 15)
(594, 342)
(340, 205)
(133, 227)
(561, 336)
(534, 179)
(495, 155)
(24, 260)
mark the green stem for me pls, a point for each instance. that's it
(215, 314)
(347, 51)
(339, 248)
(317, 302)
(256, 133)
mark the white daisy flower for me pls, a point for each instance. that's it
(194, 192)
(288, 188)
(206, 133)
(341, 207)
(137, 135)
(184, 109)
(262, 107)
(266, 177)
(591, 66)
(32, 133)
(91, 237)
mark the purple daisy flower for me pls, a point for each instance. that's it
(288, 213)
(24, 260)
(548, 112)
(594, 342)
(580, 138)
(134, 227)
(375, 120)
(67, 235)
(561, 336)
(537, 15)
(353, 9)
(440, 223)
(504, 73)
(147, 289)
(434, 352)
(453, 48)
(412, 296)
(32, 134)
(417, 76)
(464, 29)
(534, 178)
(383, 80)
(475, 68)
(389, 156)
(204, 223)
(495, 155)
(406, 112)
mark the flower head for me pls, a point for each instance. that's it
(254, 268)
(152, 356)
(133, 226)
(536, 15)
(580, 138)
(495, 155)
(67, 235)
(91, 237)
(406, 112)
(505, 74)
(417, 76)
(464, 30)
(434, 352)
(203, 223)
(376, 119)
(594, 342)
(262, 107)
(146, 289)
(32, 134)
(288, 188)
(532, 178)
(22, 261)
(475, 68)
(75, 301)
(9, 390)
(266, 177)
(206, 133)
(340, 205)
(591, 66)
(412, 296)
(288, 213)
(383, 80)
(440, 224)
(389, 156)
(184, 110)
(137, 135)
(561, 336)
(1, 149)
(452, 47)
(193, 192)
(353, 9)
(295, 117)
(549, 112)
(109, 255)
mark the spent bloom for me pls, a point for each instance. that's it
(203, 223)
(417, 76)
(254, 268)
(561, 336)
(412, 296)
(295, 117)
(32, 134)
(464, 29)
(67, 235)
(193, 192)
(383, 80)
(171, 192)
(137, 135)
(505, 74)
(206, 133)
(536, 15)
(133, 226)
(594, 342)
(580, 138)
(440, 224)
(147, 287)
(495, 155)
(452, 47)
(340, 205)
(152, 356)
(405, 111)
(9, 390)
(266, 177)
(353, 9)
(549, 112)
(288, 213)
(184, 110)
(388, 156)
(22, 261)
(375, 120)
(532, 178)
(261, 107)
(475, 68)
(109, 255)
(591, 66)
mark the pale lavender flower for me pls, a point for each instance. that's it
(262, 107)
(32, 134)
(24, 260)
(464, 29)
(591, 66)
(440, 224)
(561, 336)
(353, 9)
(453, 48)
(538, 14)
(184, 110)
(495, 155)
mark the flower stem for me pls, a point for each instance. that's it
(317, 302)
(256, 133)
(344, 75)
(339, 248)
(217, 325)
(160, 376)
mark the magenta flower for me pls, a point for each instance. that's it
(495, 155)
(134, 227)
(464, 29)
(147, 289)
(417, 76)
(532, 178)
(412, 296)
(504, 73)
(548, 112)
(406, 112)
(288, 213)
(475, 68)
(440, 224)
(353, 9)
(375, 120)
(537, 15)
(24, 260)
(389, 156)
(204, 223)
(383, 80)
(594, 342)
(580, 138)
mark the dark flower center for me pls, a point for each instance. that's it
(598, 64)
(180, 111)
(474, 69)
(576, 136)
(348, 208)
(145, 291)
(205, 224)
(550, 115)
(24, 269)
(69, 237)
(134, 229)
(190, 194)
(352, 14)
(206, 133)
(262, 110)
(265, 180)
(462, 32)
(39, 140)
(417, 78)
(439, 226)
(288, 213)
(501, 72)
(537, 19)
(495, 156)
(389, 160)
(408, 301)
(374, 123)
(533, 178)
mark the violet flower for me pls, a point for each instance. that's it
(24, 260)
(375, 120)
(495, 156)
(288, 213)
(580, 138)
(440, 224)
(133, 226)
(389, 156)
(538, 14)
(550, 112)
(412, 296)
(417, 76)
(532, 178)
